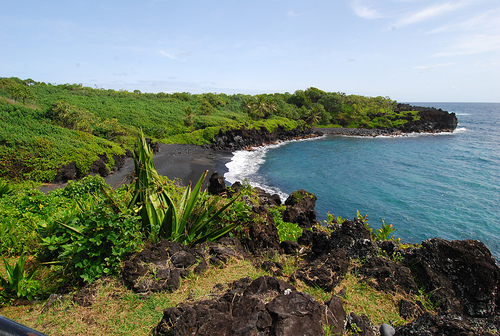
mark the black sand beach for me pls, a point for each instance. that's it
(183, 162)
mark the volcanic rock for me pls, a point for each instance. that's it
(265, 306)
(388, 276)
(326, 272)
(300, 208)
(461, 275)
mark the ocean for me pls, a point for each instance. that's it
(444, 185)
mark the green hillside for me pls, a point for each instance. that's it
(45, 126)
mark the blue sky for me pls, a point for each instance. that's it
(409, 50)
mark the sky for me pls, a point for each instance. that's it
(409, 50)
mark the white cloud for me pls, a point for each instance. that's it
(180, 56)
(489, 20)
(292, 13)
(425, 68)
(430, 12)
(473, 44)
(364, 11)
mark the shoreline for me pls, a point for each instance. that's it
(180, 162)
(357, 131)
(186, 163)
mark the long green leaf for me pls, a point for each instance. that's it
(214, 234)
(215, 217)
(9, 270)
(195, 195)
(168, 225)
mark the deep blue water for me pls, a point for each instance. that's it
(434, 185)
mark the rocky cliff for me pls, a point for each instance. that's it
(245, 138)
(431, 119)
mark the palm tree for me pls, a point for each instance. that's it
(260, 107)
(189, 117)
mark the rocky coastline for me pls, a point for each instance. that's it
(431, 120)
(461, 278)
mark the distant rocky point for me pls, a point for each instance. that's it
(432, 120)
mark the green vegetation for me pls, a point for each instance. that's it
(45, 126)
(286, 230)
(18, 283)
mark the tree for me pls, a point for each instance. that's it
(206, 108)
(260, 107)
(314, 95)
(189, 117)
(17, 89)
(315, 114)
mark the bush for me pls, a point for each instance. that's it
(286, 230)
(93, 241)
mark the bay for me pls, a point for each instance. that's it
(443, 185)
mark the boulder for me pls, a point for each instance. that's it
(430, 325)
(266, 198)
(290, 247)
(300, 208)
(360, 325)
(223, 251)
(409, 310)
(265, 306)
(295, 313)
(326, 272)
(461, 275)
(355, 238)
(67, 172)
(336, 316)
(161, 266)
(262, 232)
(216, 184)
(99, 166)
(388, 276)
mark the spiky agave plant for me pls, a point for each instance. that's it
(190, 221)
(193, 219)
(149, 199)
(18, 283)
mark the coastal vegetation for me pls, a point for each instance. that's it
(45, 126)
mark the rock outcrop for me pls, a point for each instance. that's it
(161, 266)
(461, 278)
(461, 275)
(71, 171)
(245, 138)
(431, 119)
(265, 306)
(300, 208)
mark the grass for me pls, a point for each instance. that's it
(361, 298)
(117, 310)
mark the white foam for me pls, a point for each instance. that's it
(418, 134)
(245, 164)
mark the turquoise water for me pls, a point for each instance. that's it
(434, 185)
